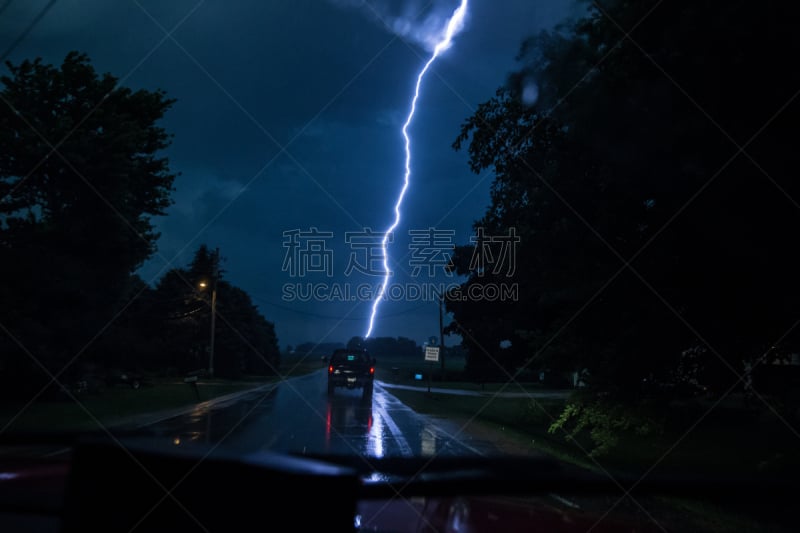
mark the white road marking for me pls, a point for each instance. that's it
(444, 433)
(405, 448)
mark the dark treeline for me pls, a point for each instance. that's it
(387, 346)
(80, 179)
(312, 349)
(652, 181)
(378, 346)
(178, 315)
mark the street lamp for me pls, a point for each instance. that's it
(204, 285)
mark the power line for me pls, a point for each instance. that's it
(4, 6)
(27, 30)
(334, 317)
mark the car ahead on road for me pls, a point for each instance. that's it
(353, 369)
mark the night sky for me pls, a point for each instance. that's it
(288, 118)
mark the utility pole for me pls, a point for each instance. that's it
(213, 319)
(214, 275)
(441, 332)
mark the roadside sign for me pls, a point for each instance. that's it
(432, 353)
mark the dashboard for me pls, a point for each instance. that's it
(138, 485)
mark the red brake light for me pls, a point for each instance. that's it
(372, 370)
(330, 369)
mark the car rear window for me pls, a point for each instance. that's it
(348, 357)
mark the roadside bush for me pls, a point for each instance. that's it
(604, 421)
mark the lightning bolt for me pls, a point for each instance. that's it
(454, 25)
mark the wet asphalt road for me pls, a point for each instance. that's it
(298, 416)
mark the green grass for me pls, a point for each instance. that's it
(472, 386)
(510, 415)
(114, 405)
(724, 441)
(402, 369)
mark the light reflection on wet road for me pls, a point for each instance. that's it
(298, 416)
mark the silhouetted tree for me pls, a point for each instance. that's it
(356, 343)
(316, 349)
(245, 342)
(80, 178)
(644, 231)
(387, 346)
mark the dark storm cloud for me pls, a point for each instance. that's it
(417, 21)
(288, 116)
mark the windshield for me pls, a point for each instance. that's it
(553, 229)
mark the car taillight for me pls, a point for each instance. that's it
(372, 370)
(330, 369)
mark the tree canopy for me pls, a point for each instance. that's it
(81, 176)
(179, 314)
(642, 156)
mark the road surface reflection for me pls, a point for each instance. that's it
(298, 416)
